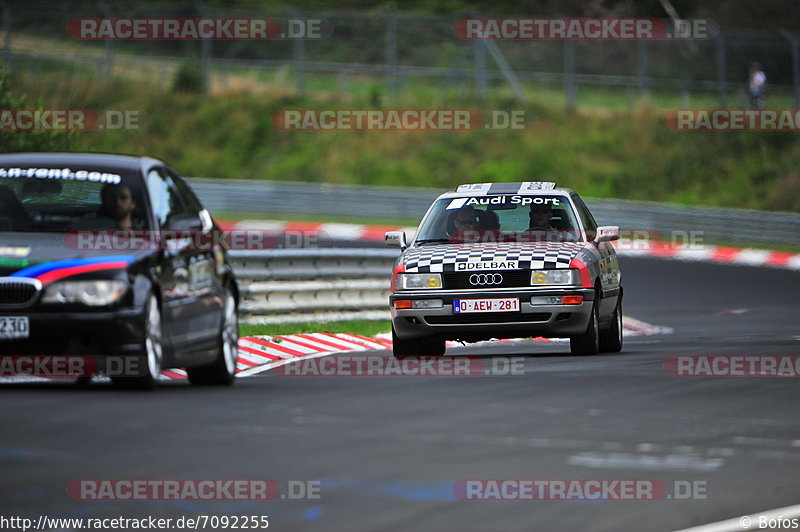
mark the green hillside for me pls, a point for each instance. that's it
(599, 152)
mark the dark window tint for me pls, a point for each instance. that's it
(586, 218)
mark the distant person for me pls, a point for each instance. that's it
(756, 86)
(116, 210)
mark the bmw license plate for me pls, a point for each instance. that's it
(506, 304)
(14, 327)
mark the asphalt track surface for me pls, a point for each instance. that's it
(387, 451)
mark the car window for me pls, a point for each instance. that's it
(193, 205)
(500, 218)
(586, 217)
(62, 199)
(165, 197)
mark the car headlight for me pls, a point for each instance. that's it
(563, 277)
(94, 293)
(418, 281)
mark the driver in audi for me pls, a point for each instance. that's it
(465, 225)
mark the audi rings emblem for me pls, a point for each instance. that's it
(485, 278)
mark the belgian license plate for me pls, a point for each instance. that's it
(14, 327)
(506, 304)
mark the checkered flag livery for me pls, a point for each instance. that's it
(535, 256)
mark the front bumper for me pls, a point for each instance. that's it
(550, 321)
(79, 333)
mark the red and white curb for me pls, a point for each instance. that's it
(625, 248)
(703, 253)
(259, 354)
(327, 230)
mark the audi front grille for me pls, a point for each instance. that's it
(486, 279)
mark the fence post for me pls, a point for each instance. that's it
(719, 42)
(642, 67)
(505, 69)
(793, 42)
(108, 13)
(570, 91)
(205, 51)
(480, 69)
(298, 57)
(6, 36)
(391, 52)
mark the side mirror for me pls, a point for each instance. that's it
(606, 233)
(185, 222)
(396, 239)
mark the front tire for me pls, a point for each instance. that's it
(223, 370)
(153, 346)
(588, 343)
(611, 339)
(416, 348)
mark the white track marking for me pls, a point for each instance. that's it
(737, 524)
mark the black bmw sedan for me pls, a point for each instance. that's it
(111, 261)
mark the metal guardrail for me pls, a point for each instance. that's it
(280, 286)
(280, 197)
(275, 198)
(301, 285)
(710, 224)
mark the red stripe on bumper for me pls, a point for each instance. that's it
(586, 280)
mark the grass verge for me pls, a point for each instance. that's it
(360, 327)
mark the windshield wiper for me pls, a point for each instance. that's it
(433, 241)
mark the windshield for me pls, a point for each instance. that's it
(500, 218)
(62, 199)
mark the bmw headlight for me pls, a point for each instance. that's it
(93, 293)
(418, 281)
(558, 277)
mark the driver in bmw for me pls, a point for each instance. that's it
(116, 210)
